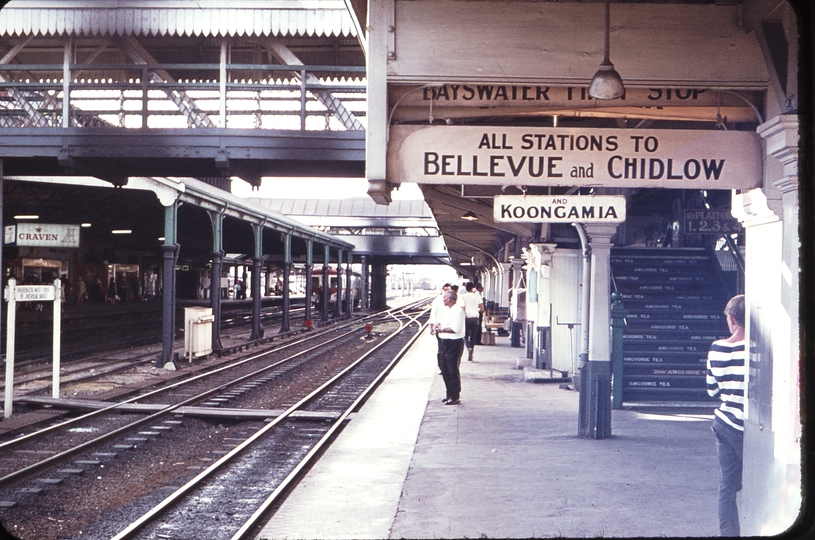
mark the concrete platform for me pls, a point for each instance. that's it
(505, 463)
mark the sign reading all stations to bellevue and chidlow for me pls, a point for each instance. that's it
(685, 159)
(45, 235)
(559, 208)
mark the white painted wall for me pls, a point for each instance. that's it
(562, 43)
(564, 291)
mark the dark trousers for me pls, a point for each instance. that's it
(471, 327)
(450, 355)
(438, 354)
(480, 325)
(729, 447)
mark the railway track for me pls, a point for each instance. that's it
(81, 363)
(271, 423)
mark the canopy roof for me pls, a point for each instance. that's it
(177, 18)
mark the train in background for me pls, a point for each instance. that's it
(141, 279)
(317, 287)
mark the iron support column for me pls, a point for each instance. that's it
(338, 300)
(169, 257)
(364, 302)
(217, 219)
(595, 375)
(379, 297)
(257, 326)
(257, 264)
(324, 293)
(309, 270)
(284, 326)
(215, 298)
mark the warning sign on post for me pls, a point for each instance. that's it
(34, 293)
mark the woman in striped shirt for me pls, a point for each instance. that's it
(725, 379)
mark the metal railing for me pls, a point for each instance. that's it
(264, 96)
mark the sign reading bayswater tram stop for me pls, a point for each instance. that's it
(681, 159)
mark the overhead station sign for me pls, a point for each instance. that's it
(559, 208)
(42, 235)
(492, 95)
(686, 159)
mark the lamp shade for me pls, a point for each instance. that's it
(469, 216)
(606, 83)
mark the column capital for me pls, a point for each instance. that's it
(540, 254)
(600, 233)
(781, 138)
(751, 208)
(787, 184)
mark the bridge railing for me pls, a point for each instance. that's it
(265, 96)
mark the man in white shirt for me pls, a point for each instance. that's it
(435, 308)
(473, 307)
(450, 331)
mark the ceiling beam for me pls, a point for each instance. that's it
(484, 213)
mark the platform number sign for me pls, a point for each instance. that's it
(711, 222)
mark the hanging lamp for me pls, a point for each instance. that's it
(606, 83)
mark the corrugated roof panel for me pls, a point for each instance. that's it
(312, 207)
(153, 26)
(186, 21)
(206, 24)
(94, 19)
(27, 23)
(166, 21)
(60, 24)
(284, 23)
(265, 23)
(126, 20)
(106, 24)
(51, 20)
(228, 21)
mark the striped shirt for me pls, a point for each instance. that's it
(725, 379)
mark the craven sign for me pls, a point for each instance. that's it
(559, 208)
(686, 159)
(43, 235)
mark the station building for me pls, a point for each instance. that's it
(488, 105)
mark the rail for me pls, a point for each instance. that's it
(195, 483)
(163, 390)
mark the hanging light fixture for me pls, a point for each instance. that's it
(469, 216)
(606, 83)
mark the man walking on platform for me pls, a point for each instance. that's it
(450, 331)
(473, 307)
